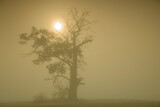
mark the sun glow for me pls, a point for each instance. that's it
(58, 26)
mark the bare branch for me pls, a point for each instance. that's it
(81, 22)
(68, 27)
(56, 76)
(84, 42)
(81, 83)
(67, 62)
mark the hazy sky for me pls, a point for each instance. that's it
(123, 61)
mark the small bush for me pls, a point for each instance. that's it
(40, 98)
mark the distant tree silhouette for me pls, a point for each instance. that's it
(62, 51)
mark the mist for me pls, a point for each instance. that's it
(122, 62)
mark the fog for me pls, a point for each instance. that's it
(122, 62)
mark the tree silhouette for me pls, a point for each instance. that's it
(62, 52)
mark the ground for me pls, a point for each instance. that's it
(90, 103)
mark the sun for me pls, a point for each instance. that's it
(58, 26)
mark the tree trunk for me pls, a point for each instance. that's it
(73, 75)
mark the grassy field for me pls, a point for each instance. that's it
(93, 103)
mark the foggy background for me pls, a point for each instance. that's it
(123, 61)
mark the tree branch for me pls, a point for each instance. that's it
(84, 42)
(81, 83)
(67, 62)
(56, 76)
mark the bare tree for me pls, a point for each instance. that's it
(62, 51)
